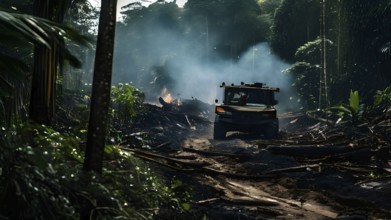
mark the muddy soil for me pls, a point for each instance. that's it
(242, 178)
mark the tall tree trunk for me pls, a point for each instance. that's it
(100, 98)
(325, 77)
(339, 29)
(43, 87)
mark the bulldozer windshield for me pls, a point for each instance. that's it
(249, 96)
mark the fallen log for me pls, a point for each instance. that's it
(360, 155)
(209, 171)
(311, 151)
(215, 153)
(377, 179)
(354, 169)
(185, 157)
(193, 167)
(238, 201)
(275, 142)
(249, 202)
(158, 156)
(174, 167)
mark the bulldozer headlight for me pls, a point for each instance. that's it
(219, 110)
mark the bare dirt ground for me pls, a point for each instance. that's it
(301, 175)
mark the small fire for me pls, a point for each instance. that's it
(166, 95)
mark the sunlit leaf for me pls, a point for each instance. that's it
(354, 100)
(186, 206)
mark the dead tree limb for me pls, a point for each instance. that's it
(237, 201)
(373, 180)
(358, 155)
(208, 201)
(158, 156)
(163, 145)
(293, 169)
(214, 153)
(332, 152)
(209, 171)
(165, 164)
(191, 166)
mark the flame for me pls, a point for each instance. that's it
(166, 95)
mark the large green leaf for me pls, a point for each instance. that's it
(342, 110)
(354, 101)
(22, 28)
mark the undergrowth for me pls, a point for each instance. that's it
(41, 176)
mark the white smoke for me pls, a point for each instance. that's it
(197, 76)
(199, 79)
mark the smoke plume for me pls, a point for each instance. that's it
(193, 70)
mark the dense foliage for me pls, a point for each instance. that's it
(41, 178)
(41, 167)
(356, 113)
(295, 23)
(357, 49)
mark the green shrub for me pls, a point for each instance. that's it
(37, 162)
(382, 100)
(126, 102)
(41, 178)
(353, 111)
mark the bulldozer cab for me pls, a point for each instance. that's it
(249, 95)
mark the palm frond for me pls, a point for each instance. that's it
(26, 28)
(25, 31)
